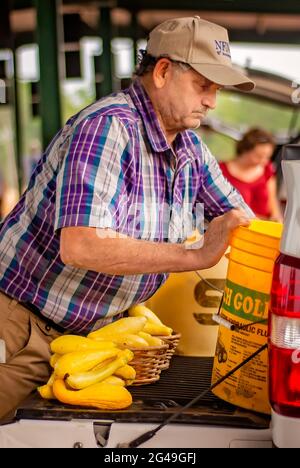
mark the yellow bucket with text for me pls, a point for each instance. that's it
(246, 305)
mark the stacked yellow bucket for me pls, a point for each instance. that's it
(245, 305)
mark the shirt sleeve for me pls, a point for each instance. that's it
(270, 171)
(215, 192)
(90, 181)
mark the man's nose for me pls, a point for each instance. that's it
(210, 98)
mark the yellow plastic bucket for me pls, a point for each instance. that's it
(245, 303)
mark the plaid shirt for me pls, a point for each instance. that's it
(109, 167)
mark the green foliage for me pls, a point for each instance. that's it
(7, 162)
(73, 102)
(221, 146)
(243, 111)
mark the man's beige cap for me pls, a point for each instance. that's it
(202, 45)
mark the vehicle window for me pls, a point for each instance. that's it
(236, 112)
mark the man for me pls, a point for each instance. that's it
(2, 192)
(89, 238)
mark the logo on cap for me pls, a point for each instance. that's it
(222, 48)
(172, 26)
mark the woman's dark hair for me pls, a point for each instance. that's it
(252, 138)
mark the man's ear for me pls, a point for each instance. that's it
(161, 72)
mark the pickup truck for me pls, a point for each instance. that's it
(210, 423)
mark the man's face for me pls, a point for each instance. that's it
(185, 98)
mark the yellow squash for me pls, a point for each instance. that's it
(51, 379)
(128, 373)
(72, 343)
(143, 311)
(54, 358)
(82, 361)
(114, 380)
(157, 330)
(82, 380)
(151, 340)
(46, 391)
(124, 326)
(131, 341)
(101, 396)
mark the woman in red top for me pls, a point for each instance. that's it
(253, 174)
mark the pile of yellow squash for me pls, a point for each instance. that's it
(93, 371)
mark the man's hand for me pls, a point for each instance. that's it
(216, 238)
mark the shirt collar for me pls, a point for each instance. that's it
(156, 136)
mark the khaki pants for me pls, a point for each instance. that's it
(27, 339)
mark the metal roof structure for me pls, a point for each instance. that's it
(273, 6)
(253, 21)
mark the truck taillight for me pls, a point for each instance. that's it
(284, 337)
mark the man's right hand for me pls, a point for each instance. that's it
(216, 238)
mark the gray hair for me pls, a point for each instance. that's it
(147, 63)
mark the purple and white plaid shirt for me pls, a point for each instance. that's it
(109, 167)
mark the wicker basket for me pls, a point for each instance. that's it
(148, 363)
(172, 342)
